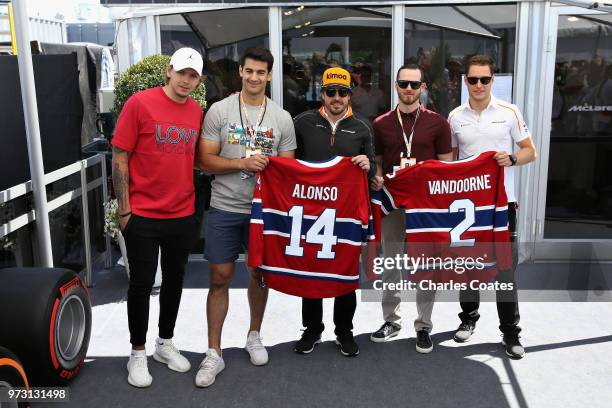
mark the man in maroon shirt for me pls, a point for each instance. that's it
(408, 134)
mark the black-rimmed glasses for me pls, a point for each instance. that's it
(483, 80)
(413, 84)
(331, 92)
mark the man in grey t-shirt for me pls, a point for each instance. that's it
(239, 134)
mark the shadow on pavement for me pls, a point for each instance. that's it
(383, 375)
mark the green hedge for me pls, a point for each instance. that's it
(148, 73)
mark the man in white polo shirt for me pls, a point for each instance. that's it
(485, 123)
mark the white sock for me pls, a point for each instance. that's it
(138, 353)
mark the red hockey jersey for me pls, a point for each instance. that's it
(308, 223)
(456, 216)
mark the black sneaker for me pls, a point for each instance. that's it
(514, 348)
(465, 331)
(423, 342)
(307, 343)
(347, 344)
(386, 331)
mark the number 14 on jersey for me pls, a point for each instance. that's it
(321, 232)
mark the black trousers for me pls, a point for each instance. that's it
(506, 300)
(344, 310)
(144, 237)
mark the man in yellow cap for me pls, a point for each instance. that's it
(333, 130)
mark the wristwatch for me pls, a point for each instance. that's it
(512, 159)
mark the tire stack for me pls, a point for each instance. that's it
(45, 319)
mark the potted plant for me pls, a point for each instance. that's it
(113, 229)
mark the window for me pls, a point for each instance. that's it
(355, 38)
(439, 38)
(221, 36)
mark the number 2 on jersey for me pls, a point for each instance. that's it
(321, 232)
(468, 208)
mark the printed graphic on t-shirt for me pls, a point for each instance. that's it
(173, 139)
(264, 137)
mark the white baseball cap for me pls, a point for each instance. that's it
(187, 58)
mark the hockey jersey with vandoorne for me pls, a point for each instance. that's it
(456, 214)
(308, 223)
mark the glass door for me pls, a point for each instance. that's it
(576, 207)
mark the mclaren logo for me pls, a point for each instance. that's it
(590, 108)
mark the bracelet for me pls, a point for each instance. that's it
(512, 159)
(125, 215)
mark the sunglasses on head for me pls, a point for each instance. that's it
(413, 84)
(483, 80)
(331, 92)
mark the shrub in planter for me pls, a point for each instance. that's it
(148, 73)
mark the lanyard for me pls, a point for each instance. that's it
(260, 116)
(408, 140)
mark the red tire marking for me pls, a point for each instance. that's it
(18, 367)
(76, 281)
(52, 334)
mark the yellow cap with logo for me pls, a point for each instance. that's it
(336, 76)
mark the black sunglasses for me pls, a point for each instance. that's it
(483, 80)
(404, 84)
(331, 92)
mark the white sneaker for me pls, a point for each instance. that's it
(168, 354)
(258, 353)
(138, 371)
(212, 365)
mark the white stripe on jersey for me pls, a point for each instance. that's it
(321, 165)
(349, 242)
(445, 210)
(273, 211)
(481, 228)
(280, 234)
(314, 217)
(311, 274)
(390, 199)
(417, 230)
(303, 237)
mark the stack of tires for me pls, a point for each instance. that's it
(45, 319)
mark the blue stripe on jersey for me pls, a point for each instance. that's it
(256, 211)
(386, 201)
(501, 218)
(371, 231)
(342, 229)
(483, 218)
(376, 196)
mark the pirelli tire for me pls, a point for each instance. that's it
(12, 375)
(45, 318)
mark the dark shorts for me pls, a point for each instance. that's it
(227, 235)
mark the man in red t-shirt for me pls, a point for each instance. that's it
(406, 135)
(154, 147)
